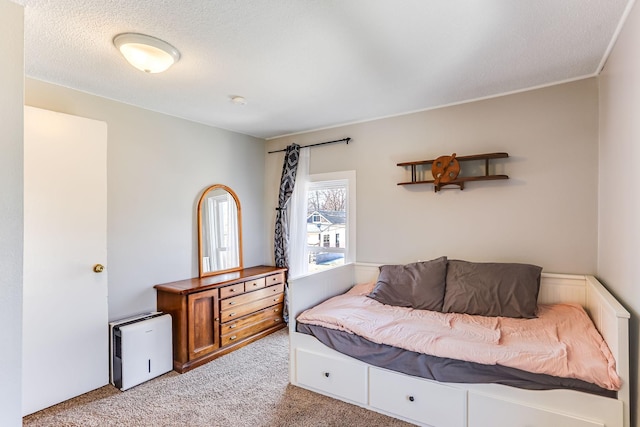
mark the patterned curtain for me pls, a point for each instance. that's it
(287, 183)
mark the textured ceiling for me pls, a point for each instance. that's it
(309, 64)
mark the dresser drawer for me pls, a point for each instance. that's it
(255, 284)
(424, 401)
(232, 291)
(248, 331)
(242, 310)
(248, 297)
(275, 279)
(486, 411)
(274, 313)
(338, 377)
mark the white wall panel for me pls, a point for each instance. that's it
(11, 222)
(619, 180)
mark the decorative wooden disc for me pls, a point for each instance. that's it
(445, 169)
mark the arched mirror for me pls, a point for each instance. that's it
(219, 231)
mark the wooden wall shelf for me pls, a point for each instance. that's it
(460, 180)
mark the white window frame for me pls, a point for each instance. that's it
(347, 178)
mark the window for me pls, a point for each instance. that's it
(330, 220)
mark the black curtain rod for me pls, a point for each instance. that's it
(345, 140)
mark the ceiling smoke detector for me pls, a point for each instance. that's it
(238, 100)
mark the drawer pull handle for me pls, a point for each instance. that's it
(411, 399)
(217, 319)
(232, 302)
(233, 337)
(276, 320)
(326, 374)
(275, 310)
(231, 290)
(232, 326)
(275, 299)
(231, 314)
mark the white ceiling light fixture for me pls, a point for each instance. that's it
(146, 53)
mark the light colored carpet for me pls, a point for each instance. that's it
(249, 387)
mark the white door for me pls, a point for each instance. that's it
(65, 318)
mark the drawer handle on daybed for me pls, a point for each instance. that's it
(411, 398)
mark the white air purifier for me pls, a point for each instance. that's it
(141, 349)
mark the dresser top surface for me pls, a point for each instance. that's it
(197, 284)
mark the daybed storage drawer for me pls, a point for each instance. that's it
(421, 400)
(486, 411)
(334, 376)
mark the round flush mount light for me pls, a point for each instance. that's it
(146, 53)
(238, 100)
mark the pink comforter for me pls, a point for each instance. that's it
(562, 341)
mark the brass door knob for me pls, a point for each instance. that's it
(98, 268)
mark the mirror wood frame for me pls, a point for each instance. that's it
(200, 226)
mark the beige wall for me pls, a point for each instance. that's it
(619, 183)
(545, 214)
(157, 167)
(11, 217)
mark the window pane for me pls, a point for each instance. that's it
(324, 260)
(326, 224)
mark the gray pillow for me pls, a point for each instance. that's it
(492, 289)
(419, 285)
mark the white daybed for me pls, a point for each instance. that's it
(425, 402)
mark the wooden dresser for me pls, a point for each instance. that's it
(215, 315)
